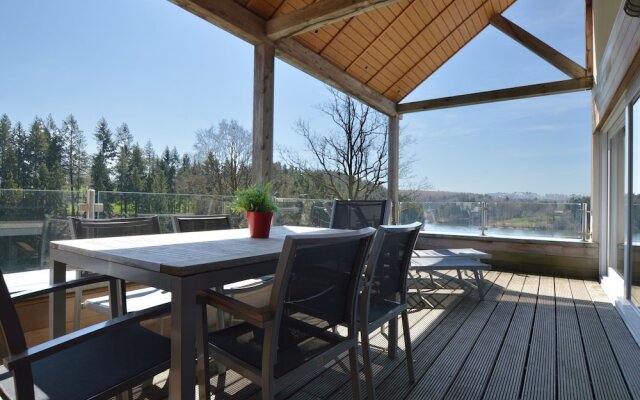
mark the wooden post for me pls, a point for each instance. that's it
(263, 69)
(588, 27)
(394, 168)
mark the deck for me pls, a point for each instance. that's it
(532, 337)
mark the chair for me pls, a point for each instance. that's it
(96, 362)
(135, 300)
(199, 223)
(384, 296)
(219, 222)
(316, 287)
(357, 214)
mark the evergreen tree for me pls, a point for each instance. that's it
(124, 139)
(102, 161)
(7, 156)
(21, 168)
(75, 159)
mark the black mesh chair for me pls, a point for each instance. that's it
(134, 300)
(316, 286)
(384, 296)
(96, 362)
(357, 214)
(199, 223)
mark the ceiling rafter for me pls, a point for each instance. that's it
(520, 92)
(319, 14)
(546, 52)
(234, 18)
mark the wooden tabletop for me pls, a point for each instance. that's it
(443, 253)
(186, 253)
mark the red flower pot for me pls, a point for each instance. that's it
(259, 223)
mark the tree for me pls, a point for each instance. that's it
(75, 158)
(124, 139)
(227, 150)
(353, 158)
(7, 153)
(21, 167)
(102, 160)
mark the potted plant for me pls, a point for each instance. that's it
(259, 206)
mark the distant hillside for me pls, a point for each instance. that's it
(445, 196)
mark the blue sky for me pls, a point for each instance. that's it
(167, 74)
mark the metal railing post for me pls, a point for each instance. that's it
(586, 226)
(484, 218)
(91, 204)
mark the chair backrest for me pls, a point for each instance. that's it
(389, 261)
(200, 223)
(12, 340)
(357, 214)
(99, 228)
(52, 229)
(318, 277)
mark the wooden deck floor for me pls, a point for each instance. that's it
(532, 337)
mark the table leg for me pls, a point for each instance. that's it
(57, 302)
(182, 376)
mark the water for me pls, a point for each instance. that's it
(502, 232)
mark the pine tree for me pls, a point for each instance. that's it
(102, 161)
(21, 168)
(75, 159)
(124, 139)
(7, 156)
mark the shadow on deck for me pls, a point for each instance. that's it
(532, 337)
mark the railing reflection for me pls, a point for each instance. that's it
(30, 219)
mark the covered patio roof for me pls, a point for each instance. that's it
(379, 51)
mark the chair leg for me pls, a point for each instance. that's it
(479, 284)
(202, 352)
(459, 275)
(366, 358)
(393, 338)
(355, 376)
(221, 367)
(77, 306)
(407, 345)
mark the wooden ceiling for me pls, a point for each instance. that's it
(393, 48)
(379, 51)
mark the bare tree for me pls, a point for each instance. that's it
(226, 151)
(353, 157)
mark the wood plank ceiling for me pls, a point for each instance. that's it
(394, 47)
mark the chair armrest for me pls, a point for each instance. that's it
(257, 316)
(29, 294)
(55, 345)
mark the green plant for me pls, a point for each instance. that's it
(255, 198)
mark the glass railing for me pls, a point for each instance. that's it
(30, 219)
(500, 219)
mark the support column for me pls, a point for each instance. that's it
(263, 69)
(394, 168)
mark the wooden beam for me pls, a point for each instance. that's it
(393, 183)
(521, 92)
(588, 30)
(263, 83)
(301, 57)
(237, 20)
(228, 15)
(319, 14)
(548, 53)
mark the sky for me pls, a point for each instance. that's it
(167, 74)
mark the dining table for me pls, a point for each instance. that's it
(182, 263)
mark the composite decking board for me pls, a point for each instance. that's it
(435, 382)
(573, 374)
(426, 352)
(420, 322)
(539, 381)
(606, 378)
(624, 346)
(474, 375)
(506, 377)
(383, 366)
